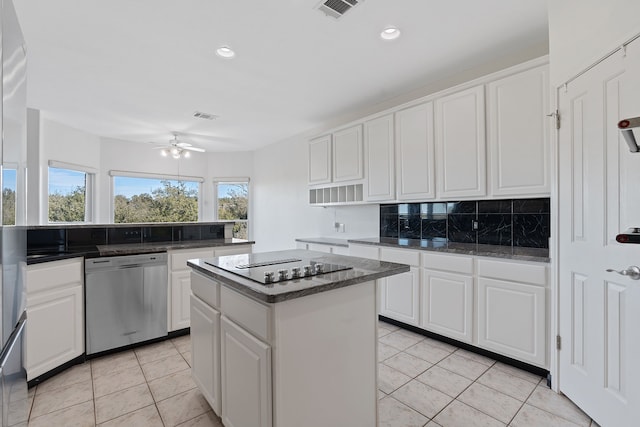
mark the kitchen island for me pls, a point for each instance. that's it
(290, 353)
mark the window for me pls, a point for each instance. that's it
(9, 196)
(232, 204)
(140, 198)
(70, 190)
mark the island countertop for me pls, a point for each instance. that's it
(363, 270)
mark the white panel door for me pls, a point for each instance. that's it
(400, 297)
(246, 378)
(599, 196)
(205, 351)
(511, 320)
(519, 133)
(415, 164)
(461, 144)
(320, 160)
(379, 159)
(348, 154)
(447, 304)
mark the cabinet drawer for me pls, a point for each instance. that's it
(244, 249)
(456, 264)
(513, 271)
(54, 274)
(401, 256)
(319, 247)
(208, 290)
(178, 259)
(364, 251)
(252, 315)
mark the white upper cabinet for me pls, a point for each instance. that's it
(379, 159)
(519, 133)
(320, 160)
(415, 153)
(348, 154)
(461, 144)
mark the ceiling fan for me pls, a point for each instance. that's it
(178, 149)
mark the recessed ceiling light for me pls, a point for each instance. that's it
(390, 33)
(225, 52)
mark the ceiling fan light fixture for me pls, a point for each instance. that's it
(186, 155)
(164, 153)
(225, 52)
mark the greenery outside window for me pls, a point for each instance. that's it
(9, 177)
(232, 204)
(148, 198)
(70, 192)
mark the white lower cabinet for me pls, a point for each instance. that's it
(512, 319)
(400, 297)
(400, 294)
(55, 309)
(246, 378)
(205, 351)
(308, 361)
(447, 304)
(180, 280)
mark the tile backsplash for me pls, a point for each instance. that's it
(517, 222)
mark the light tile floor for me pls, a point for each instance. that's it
(422, 382)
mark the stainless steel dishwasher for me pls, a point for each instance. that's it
(126, 300)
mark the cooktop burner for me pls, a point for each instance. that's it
(279, 270)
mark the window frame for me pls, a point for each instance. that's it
(128, 174)
(89, 194)
(233, 180)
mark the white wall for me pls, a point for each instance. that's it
(582, 31)
(281, 202)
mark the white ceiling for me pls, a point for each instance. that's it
(138, 70)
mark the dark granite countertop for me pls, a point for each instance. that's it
(325, 241)
(151, 247)
(363, 270)
(132, 249)
(442, 245)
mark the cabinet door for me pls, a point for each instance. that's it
(379, 159)
(511, 319)
(246, 378)
(447, 304)
(55, 329)
(205, 351)
(348, 154)
(519, 133)
(180, 293)
(320, 160)
(461, 144)
(400, 297)
(415, 165)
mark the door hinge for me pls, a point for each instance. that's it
(556, 116)
(558, 342)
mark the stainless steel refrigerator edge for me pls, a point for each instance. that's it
(13, 380)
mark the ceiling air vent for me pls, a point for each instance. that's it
(336, 8)
(205, 116)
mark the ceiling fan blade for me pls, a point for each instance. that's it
(198, 149)
(183, 144)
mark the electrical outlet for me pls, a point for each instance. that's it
(474, 225)
(339, 226)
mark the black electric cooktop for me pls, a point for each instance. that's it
(276, 270)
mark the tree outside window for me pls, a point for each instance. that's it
(9, 196)
(67, 195)
(154, 200)
(233, 205)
